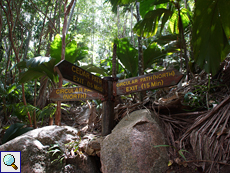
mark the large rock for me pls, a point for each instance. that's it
(34, 146)
(130, 146)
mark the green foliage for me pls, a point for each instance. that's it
(148, 5)
(36, 68)
(127, 54)
(9, 89)
(14, 131)
(60, 154)
(74, 145)
(20, 111)
(94, 69)
(194, 100)
(149, 25)
(72, 53)
(173, 21)
(49, 110)
(106, 64)
(152, 55)
(57, 153)
(211, 32)
(199, 97)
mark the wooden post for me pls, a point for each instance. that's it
(108, 109)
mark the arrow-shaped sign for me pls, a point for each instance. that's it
(77, 75)
(74, 94)
(147, 82)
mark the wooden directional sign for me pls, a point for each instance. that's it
(74, 94)
(147, 82)
(107, 88)
(77, 75)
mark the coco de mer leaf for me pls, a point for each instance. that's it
(208, 36)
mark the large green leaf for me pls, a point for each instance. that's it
(145, 7)
(71, 50)
(95, 69)
(152, 54)
(11, 88)
(148, 5)
(127, 54)
(166, 39)
(148, 26)
(14, 131)
(209, 36)
(173, 22)
(115, 3)
(35, 62)
(48, 69)
(38, 67)
(224, 5)
(29, 75)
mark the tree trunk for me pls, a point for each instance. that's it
(35, 104)
(42, 32)
(51, 31)
(114, 73)
(28, 38)
(124, 27)
(59, 15)
(0, 22)
(140, 52)
(64, 31)
(118, 22)
(71, 15)
(131, 25)
(92, 42)
(76, 20)
(183, 42)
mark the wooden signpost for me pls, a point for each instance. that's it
(147, 82)
(94, 87)
(77, 75)
(73, 94)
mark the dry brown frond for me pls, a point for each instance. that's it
(209, 136)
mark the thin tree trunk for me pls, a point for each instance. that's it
(59, 16)
(71, 15)
(118, 22)
(43, 26)
(92, 41)
(131, 25)
(35, 104)
(64, 31)
(51, 31)
(7, 54)
(140, 52)
(114, 73)
(124, 27)
(76, 20)
(183, 42)
(28, 39)
(1, 22)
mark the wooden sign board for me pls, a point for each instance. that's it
(77, 75)
(74, 94)
(147, 82)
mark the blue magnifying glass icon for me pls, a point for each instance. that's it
(9, 160)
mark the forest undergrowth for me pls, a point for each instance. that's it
(194, 116)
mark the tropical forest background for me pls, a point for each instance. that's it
(119, 38)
